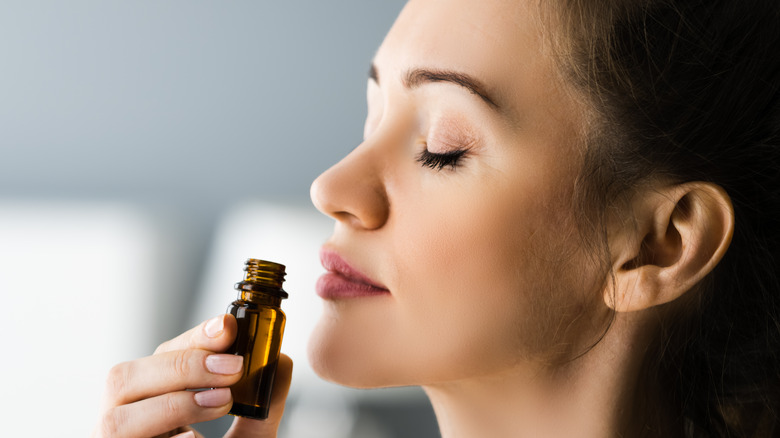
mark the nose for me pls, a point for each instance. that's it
(353, 192)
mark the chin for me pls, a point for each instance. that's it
(346, 359)
(332, 361)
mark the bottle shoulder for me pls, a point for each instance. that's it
(254, 306)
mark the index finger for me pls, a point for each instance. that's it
(216, 334)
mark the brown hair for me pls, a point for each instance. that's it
(690, 91)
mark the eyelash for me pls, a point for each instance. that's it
(440, 161)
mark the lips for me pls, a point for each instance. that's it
(343, 281)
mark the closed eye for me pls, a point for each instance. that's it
(442, 160)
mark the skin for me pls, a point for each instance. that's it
(494, 306)
(487, 280)
(497, 219)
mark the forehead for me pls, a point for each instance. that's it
(471, 22)
(499, 41)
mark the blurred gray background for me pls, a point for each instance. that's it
(176, 111)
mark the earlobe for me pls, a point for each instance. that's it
(680, 234)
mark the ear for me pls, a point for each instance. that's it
(679, 234)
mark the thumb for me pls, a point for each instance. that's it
(248, 428)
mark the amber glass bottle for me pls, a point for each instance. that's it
(259, 338)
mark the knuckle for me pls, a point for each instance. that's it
(117, 381)
(182, 362)
(111, 423)
(171, 407)
(162, 347)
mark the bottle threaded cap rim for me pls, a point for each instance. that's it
(262, 274)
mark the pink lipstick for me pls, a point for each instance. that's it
(343, 281)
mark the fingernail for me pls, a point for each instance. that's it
(215, 326)
(188, 434)
(213, 397)
(224, 363)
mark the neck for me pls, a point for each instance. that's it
(604, 393)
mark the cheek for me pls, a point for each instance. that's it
(484, 279)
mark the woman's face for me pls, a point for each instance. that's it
(456, 207)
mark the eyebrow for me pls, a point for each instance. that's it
(419, 76)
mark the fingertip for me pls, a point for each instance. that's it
(285, 359)
(229, 331)
(285, 365)
(214, 327)
(282, 382)
(230, 323)
(218, 333)
(213, 398)
(284, 371)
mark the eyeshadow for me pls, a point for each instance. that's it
(450, 132)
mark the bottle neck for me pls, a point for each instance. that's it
(260, 298)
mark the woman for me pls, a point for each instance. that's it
(562, 222)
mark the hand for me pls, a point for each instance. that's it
(148, 397)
